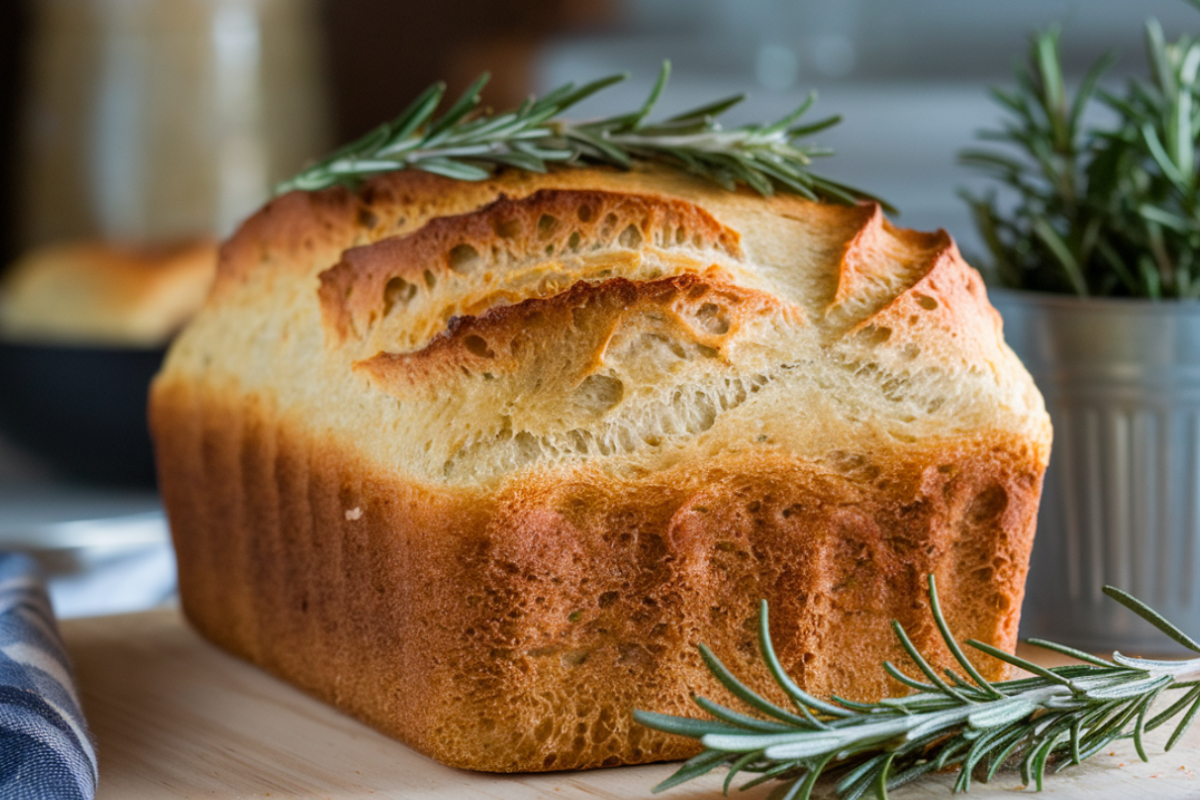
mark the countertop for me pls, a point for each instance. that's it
(175, 717)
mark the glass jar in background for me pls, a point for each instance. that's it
(155, 120)
(149, 129)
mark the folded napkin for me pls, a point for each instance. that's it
(45, 750)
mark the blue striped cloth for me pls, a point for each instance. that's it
(45, 750)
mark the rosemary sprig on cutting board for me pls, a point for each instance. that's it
(1061, 715)
(467, 143)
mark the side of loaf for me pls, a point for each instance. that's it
(482, 463)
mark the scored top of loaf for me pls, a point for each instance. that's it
(462, 332)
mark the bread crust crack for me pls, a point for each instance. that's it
(406, 289)
(605, 368)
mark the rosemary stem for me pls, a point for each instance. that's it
(468, 144)
(1059, 715)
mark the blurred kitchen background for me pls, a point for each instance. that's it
(146, 128)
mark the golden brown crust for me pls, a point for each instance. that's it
(494, 511)
(946, 303)
(484, 248)
(515, 630)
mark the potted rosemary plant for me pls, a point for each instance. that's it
(1097, 249)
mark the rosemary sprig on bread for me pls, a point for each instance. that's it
(468, 143)
(1061, 715)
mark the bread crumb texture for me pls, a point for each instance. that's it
(482, 463)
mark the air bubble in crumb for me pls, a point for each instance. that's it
(353, 514)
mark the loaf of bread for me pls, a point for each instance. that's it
(93, 292)
(482, 463)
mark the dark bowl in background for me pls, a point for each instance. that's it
(80, 409)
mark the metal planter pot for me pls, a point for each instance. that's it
(1121, 503)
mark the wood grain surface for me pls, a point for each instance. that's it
(174, 717)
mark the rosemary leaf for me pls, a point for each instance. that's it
(1153, 617)
(1184, 724)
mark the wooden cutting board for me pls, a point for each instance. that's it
(174, 717)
